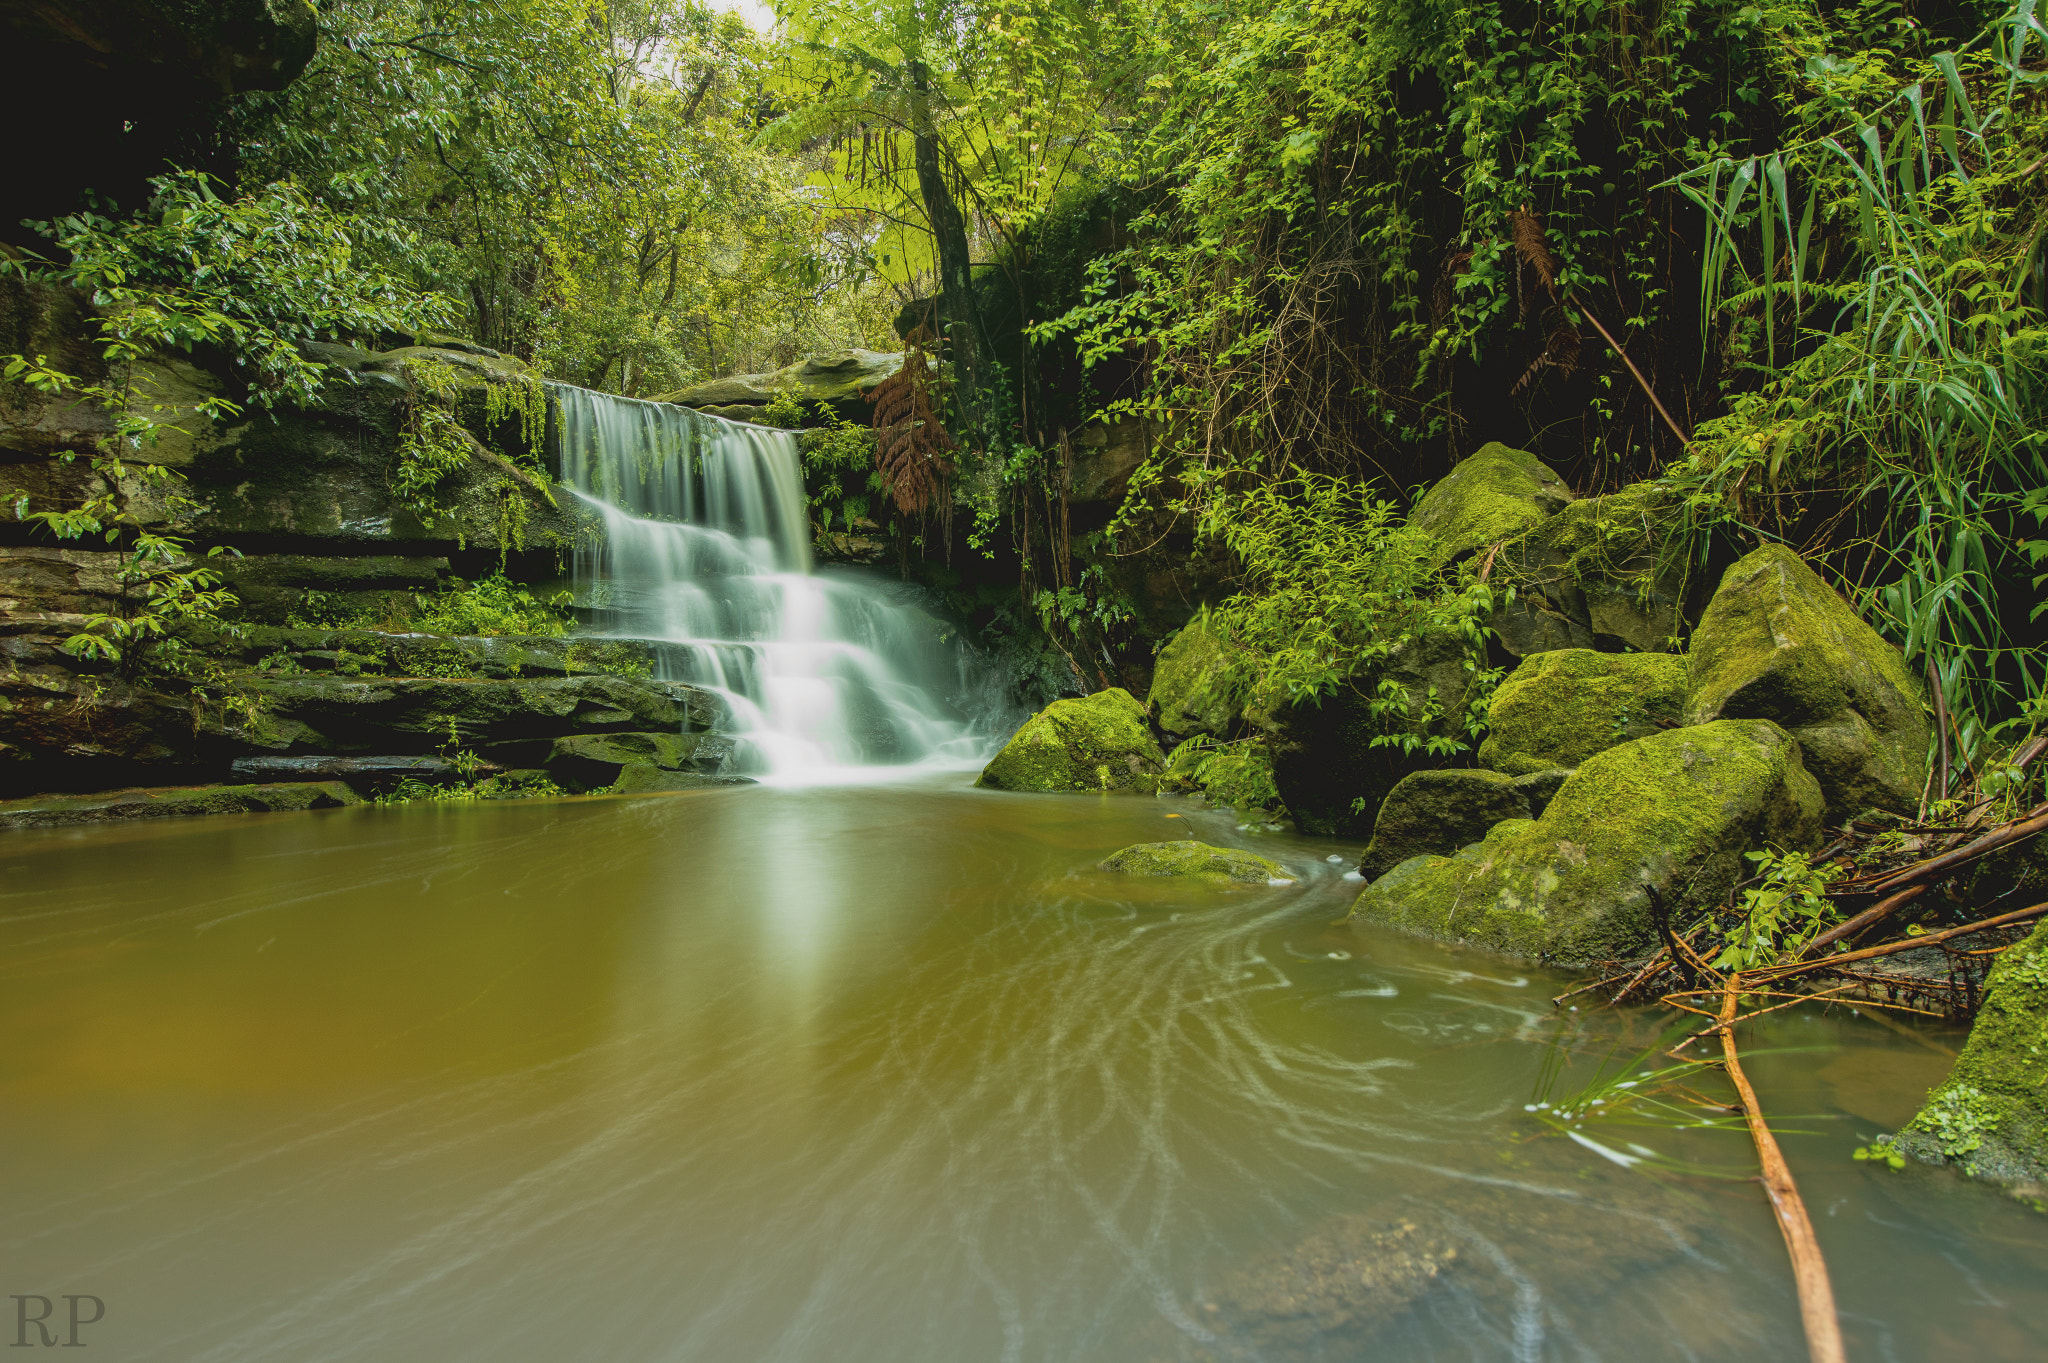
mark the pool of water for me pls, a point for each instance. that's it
(879, 1073)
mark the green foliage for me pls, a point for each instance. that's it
(1779, 916)
(488, 606)
(1959, 1117)
(839, 468)
(257, 275)
(1890, 254)
(1238, 774)
(1335, 584)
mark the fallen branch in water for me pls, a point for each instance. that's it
(1809, 1270)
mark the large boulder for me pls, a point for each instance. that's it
(1608, 572)
(1330, 772)
(1778, 643)
(1434, 813)
(1559, 708)
(1494, 495)
(1197, 861)
(1188, 693)
(1990, 1119)
(581, 762)
(1664, 819)
(841, 379)
(1100, 742)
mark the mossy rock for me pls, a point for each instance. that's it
(1990, 1119)
(1494, 495)
(1778, 643)
(1185, 693)
(1557, 709)
(1434, 813)
(1662, 819)
(1197, 861)
(645, 778)
(1605, 572)
(843, 378)
(593, 761)
(1100, 742)
(160, 802)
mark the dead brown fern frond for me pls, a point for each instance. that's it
(1525, 230)
(912, 444)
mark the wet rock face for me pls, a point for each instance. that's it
(1990, 1119)
(1778, 643)
(1661, 819)
(1434, 813)
(642, 761)
(1196, 861)
(1559, 708)
(1100, 742)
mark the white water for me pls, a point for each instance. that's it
(707, 549)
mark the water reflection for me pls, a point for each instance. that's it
(852, 1074)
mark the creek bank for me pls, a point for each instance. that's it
(159, 802)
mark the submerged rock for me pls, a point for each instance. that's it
(1559, 708)
(1666, 817)
(1491, 496)
(1186, 693)
(160, 802)
(1990, 1119)
(1434, 813)
(1100, 742)
(1778, 643)
(1196, 860)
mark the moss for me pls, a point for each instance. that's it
(1100, 742)
(1438, 812)
(1990, 1119)
(1189, 689)
(1558, 709)
(50, 811)
(1494, 495)
(1778, 643)
(1667, 816)
(1196, 860)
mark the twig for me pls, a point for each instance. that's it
(1921, 874)
(1642, 382)
(1809, 1270)
(1785, 972)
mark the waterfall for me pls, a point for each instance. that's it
(706, 551)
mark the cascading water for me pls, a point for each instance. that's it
(707, 550)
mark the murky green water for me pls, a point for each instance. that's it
(874, 1074)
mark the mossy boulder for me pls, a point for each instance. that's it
(582, 762)
(1196, 861)
(1662, 819)
(1494, 495)
(1434, 813)
(1185, 693)
(1606, 572)
(840, 378)
(1100, 742)
(1330, 773)
(1559, 708)
(1778, 643)
(1990, 1119)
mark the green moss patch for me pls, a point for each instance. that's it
(1558, 709)
(1196, 860)
(1190, 692)
(1494, 495)
(1100, 742)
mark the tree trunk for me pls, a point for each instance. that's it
(959, 318)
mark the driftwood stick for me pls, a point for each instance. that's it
(1783, 972)
(1922, 874)
(1809, 1270)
